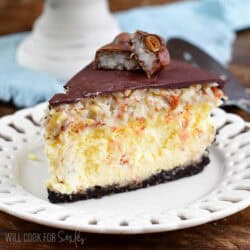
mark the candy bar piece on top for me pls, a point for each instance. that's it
(150, 52)
(116, 55)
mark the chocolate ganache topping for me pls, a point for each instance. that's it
(90, 82)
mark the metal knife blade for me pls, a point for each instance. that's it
(238, 95)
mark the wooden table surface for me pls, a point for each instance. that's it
(230, 233)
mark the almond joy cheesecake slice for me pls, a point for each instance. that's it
(116, 130)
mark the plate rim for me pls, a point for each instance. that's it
(228, 125)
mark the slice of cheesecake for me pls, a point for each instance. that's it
(115, 131)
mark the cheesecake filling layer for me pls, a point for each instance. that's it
(126, 137)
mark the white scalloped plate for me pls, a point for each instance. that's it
(222, 189)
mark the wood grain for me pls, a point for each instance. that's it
(127, 4)
(19, 15)
(232, 233)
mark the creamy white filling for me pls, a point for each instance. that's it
(126, 137)
(74, 174)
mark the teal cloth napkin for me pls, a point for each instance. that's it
(210, 24)
(22, 86)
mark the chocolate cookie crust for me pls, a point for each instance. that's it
(161, 177)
